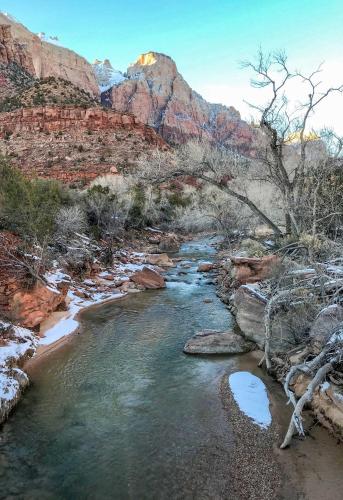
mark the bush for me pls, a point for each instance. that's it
(70, 220)
(28, 207)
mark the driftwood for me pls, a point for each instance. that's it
(319, 368)
(323, 289)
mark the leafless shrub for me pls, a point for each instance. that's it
(70, 220)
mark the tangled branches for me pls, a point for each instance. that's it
(318, 368)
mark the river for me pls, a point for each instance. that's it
(119, 411)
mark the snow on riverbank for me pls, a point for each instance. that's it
(69, 324)
(251, 396)
(18, 345)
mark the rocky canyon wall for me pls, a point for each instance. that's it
(156, 93)
(74, 144)
(52, 60)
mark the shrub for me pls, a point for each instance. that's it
(70, 220)
(28, 208)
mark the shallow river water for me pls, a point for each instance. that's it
(119, 411)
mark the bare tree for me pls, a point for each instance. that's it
(287, 152)
(280, 124)
(225, 169)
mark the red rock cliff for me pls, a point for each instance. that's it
(73, 143)
(52, 60)
(158, 95)
(13, 51)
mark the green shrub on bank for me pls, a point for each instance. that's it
(29, 207)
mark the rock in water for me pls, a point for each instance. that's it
(215, 342)
(148, 278)
(205, 267)
(159, 259)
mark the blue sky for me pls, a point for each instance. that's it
(207, 39)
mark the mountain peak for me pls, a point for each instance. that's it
(150, 58)
(105, 75)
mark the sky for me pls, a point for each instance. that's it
(207, 39)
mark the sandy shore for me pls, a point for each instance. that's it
(311, 469)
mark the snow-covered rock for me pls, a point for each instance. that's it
(18, 344)
(106, 76)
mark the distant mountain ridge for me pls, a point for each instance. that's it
(152, 89)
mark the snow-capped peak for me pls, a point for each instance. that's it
(105, 75)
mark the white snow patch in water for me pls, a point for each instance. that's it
(250, 394)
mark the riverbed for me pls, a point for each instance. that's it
(120, 412)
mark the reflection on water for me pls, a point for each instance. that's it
(120, 411)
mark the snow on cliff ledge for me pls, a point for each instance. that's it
(106, 76)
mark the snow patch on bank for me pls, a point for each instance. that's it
(251, 396)
(21, 344)
(69, 324)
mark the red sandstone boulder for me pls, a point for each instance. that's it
(31, 307)
(159, 259)
(253, 269)
(205, 267)
(148, 278)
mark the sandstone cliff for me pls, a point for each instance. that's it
(51, 60)
(16, 66)
(74, 144)
(156, 94)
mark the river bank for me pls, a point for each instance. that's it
(311, 469)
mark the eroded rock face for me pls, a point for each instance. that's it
(214, 342)
(156, 94)
(31, 307)
(12, 51)
(74, 144)
(48, 59)
(253, 269)
(148, 278)
(250, 308)
(16, 66)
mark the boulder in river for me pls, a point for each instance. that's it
(148, 278)
(159, 259)
(216, 342)
(205, 267)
